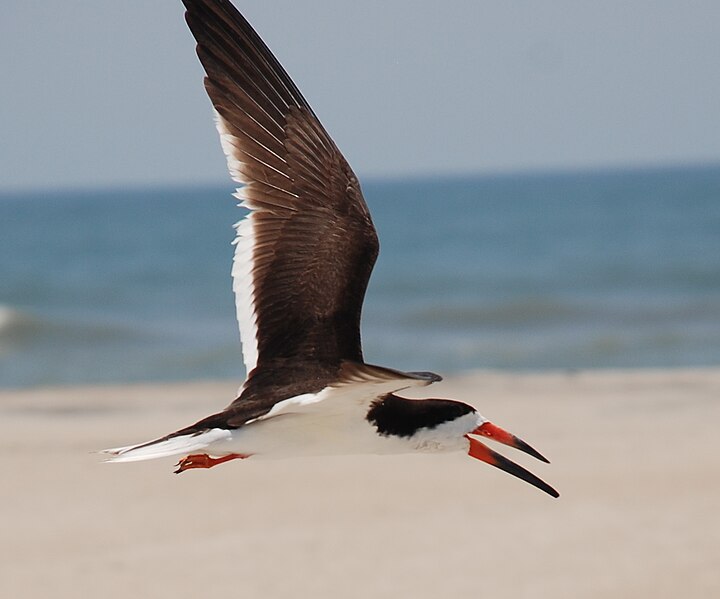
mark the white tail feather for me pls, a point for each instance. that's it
(183, 444)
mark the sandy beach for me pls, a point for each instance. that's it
(635, 455)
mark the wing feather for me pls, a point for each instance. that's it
(304, 254)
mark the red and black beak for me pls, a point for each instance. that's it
(482, 452)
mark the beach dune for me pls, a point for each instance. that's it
(635, 456)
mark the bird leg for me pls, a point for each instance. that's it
(203, 460)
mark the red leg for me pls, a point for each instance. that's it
(203, 460)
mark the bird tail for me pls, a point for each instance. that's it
(167, 446)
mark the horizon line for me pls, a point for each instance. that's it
(436, 177)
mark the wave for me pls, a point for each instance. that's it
(633, 311)
(22, 329)
(17, 326)
(519, 312)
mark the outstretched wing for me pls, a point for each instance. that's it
(305, 252)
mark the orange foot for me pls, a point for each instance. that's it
(202, 460)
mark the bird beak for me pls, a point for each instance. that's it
(491, 431)
(482, 452)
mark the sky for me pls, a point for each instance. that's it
(101, 93)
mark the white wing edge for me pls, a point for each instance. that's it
(243, 258)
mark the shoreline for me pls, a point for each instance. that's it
(453, 376)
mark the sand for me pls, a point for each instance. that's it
(636, 457)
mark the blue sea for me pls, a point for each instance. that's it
(613, 269)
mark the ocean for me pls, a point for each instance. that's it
(615, 269)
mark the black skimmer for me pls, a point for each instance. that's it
(303, 258)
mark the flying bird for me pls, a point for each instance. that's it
(303, 258)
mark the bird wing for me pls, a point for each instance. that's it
(304, 253)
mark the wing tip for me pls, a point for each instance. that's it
(357, 372)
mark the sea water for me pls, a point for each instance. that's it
(612, 269)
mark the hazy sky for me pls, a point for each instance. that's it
(108, 92)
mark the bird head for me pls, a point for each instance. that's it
(447, 420)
